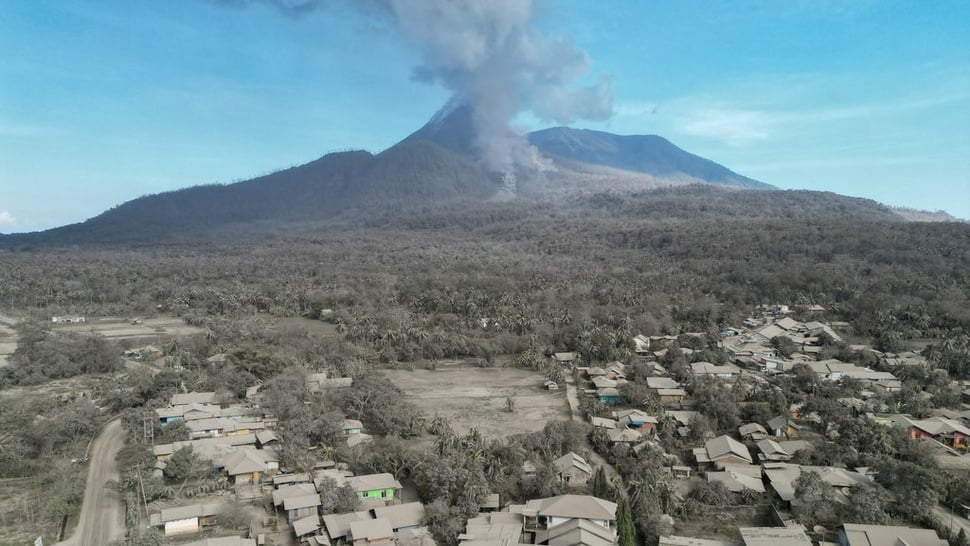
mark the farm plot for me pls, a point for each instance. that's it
(476, 397)
(154, 329)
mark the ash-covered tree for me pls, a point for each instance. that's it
(337, 499)
(186, 465)
(814, 502)
(625, 529)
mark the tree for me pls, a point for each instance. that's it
(600, 486)
(867, 505)
(626, 532)
(149, 537)
(814, 501)
(784, 345)
(712, 494)
(337, 499)
(186, 465)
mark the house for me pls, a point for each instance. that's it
(306, 526)
(635, 419)
(351, 426)
(185, 399)
(207, 428)
(641, 345)
(369, 532)
(752, 431)
(572, 470)
(545, 514)
(68, 319)
(293, 490)
(722, 450)
(616, 370)
(724, 371)
(492, 528)
(608, 395)
(774, 536)
(782, 427)
(492, 502)
(246, 464)
(602, 422)
(623, 436)
(794, 446)
(376, 486)
(564, 358)
(782, 476)
(338, 525)
(403, 517)
(186, 519)
(654, 382)
(737, 479)
(301, 506)
(207, 448)
(669, 397)
(680, 418)
(266, 438)
(580, 532)
(772, 451)
(321, 382)
(946, 431)
(601, 382)
(851, 534)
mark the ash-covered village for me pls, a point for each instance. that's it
(784, 428)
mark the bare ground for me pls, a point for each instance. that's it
(116, 328)
(102, 517)
(476, 397)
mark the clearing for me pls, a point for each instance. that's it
(150, 330)
(469, 396)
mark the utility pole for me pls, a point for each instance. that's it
(148, 428)
(143, 498)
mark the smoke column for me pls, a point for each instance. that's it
(491, 56)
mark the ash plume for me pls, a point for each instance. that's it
(491, 56)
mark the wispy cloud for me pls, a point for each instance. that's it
(7, 219)
(738, 121)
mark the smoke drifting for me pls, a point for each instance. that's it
(491, 56)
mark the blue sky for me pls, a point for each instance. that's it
(102, 101)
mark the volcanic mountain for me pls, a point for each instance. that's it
(434, 165)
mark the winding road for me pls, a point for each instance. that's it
(102, 514)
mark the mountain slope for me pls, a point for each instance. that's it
(436, 164)
(648, 154)
(406, 175)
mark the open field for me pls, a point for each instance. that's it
(475, 397)
(154, 329)
(8, 338)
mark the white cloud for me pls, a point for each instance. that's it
(733, 127)
(6, 218)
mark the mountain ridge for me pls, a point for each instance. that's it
(432, 166)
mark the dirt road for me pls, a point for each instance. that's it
(102, 514)
(954, 521)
